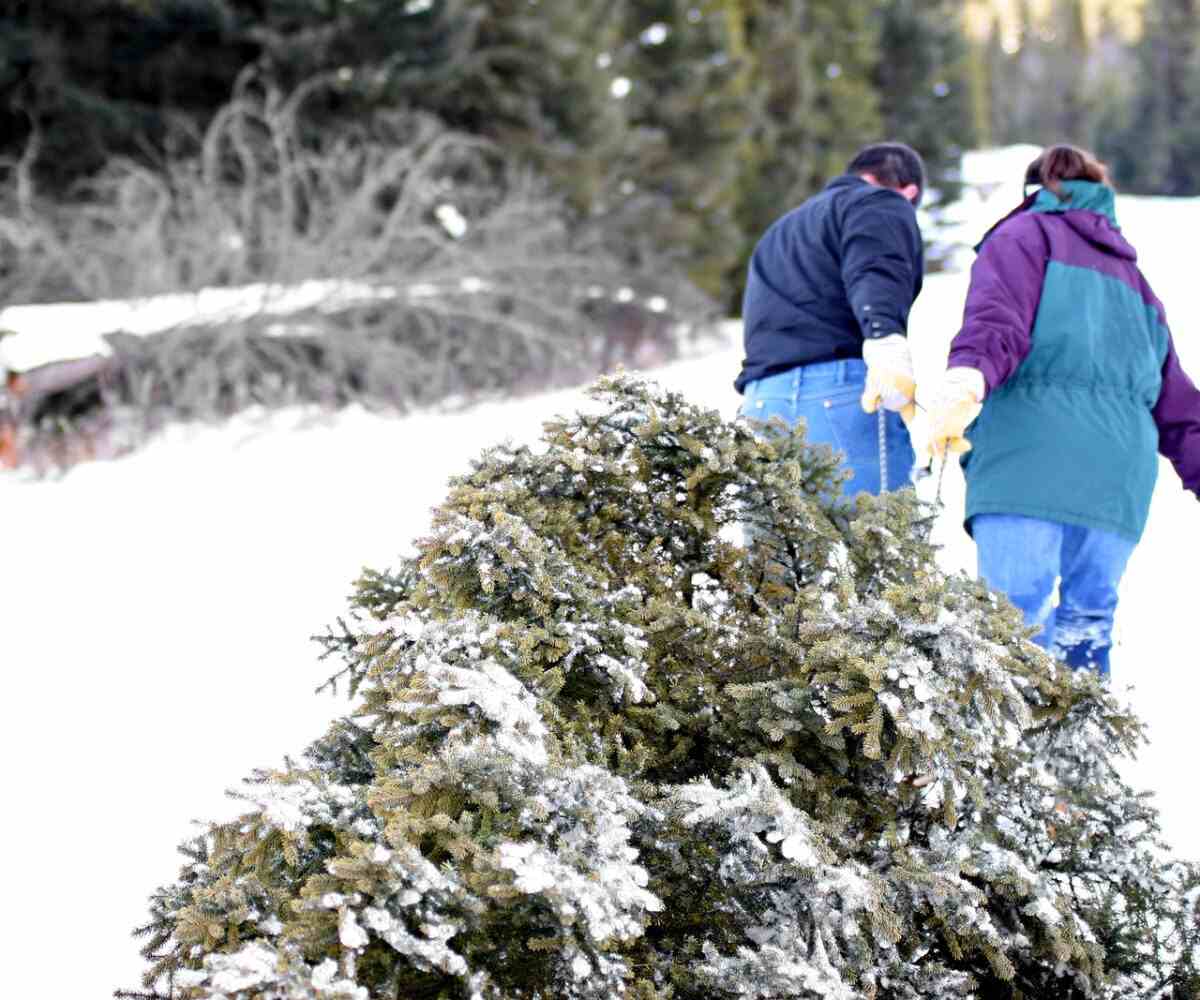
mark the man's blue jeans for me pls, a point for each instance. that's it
(827, 396)
(1024, 557)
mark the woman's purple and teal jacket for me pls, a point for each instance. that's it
(1084, 386)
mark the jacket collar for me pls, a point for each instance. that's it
(1078, 196)
(853, 180)
(1089, 209)
(845, 180)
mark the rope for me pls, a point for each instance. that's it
(883, 476)
(937, 497)
(938, 506)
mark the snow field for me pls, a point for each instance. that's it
(158, 610)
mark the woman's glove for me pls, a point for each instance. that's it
(955, 405)
(890, 381)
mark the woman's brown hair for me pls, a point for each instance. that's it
(1056, 164)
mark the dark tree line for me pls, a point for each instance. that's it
(1129, 91)
(672, 127)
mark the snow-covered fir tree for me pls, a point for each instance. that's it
(600, 749)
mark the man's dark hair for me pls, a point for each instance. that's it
(892, 164)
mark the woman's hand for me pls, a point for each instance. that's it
(955, 405)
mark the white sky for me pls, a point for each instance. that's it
(158, 610)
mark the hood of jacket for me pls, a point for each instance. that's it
(1090, 209)
(1087, 207)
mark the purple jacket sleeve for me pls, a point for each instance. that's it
(1177, 414)
(1002, 301)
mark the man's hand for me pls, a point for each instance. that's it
(955, 405)
(890, 381)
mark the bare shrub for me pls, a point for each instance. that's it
(444, 271)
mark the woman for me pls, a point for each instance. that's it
(1067, 377)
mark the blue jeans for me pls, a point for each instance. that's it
(1024, 557)
(827, 396)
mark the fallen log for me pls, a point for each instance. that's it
(73, 385)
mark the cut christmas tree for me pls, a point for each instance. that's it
(600, 748)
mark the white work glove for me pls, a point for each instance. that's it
(890, 381)
(955, 405)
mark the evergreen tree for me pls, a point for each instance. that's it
(1163, 125)
(505, 70)
(84, 80)
(629, 107)
(1001, 88)
(1076, 98)
(1052, 90)
(646, 171)
(1188, 145)
(1032, 94)
(979, 81)
(923, 84)
(540, 81)
(1026, 102)
(1135, 103)
(598, 749)
(810, 103)
(1115, 83)
(300, 39)
(686, 69)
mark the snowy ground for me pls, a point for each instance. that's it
(159, 609)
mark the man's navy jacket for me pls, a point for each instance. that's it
(845, 265)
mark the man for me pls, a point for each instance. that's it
(825, 316)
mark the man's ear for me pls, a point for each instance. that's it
(910, 191)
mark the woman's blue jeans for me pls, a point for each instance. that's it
(827, 396)
(1023, 557)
